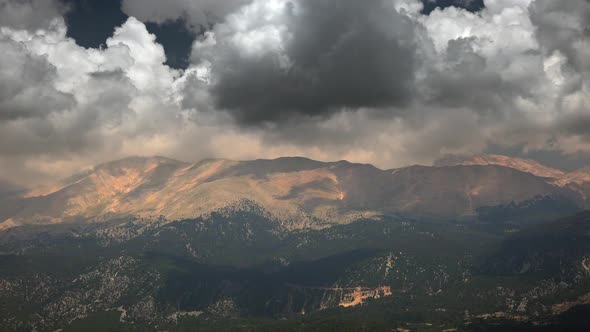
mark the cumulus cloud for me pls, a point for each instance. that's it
(564, 27)
(26, 88)
(198, 14)
(60, 101)
(30, 14)
(494, 65)
(563, 32)
(375, 82)
(275, 59)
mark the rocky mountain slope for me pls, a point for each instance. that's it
(298, 192)
(561, 178)
(521, 164)
(168, 245)
(579, 176)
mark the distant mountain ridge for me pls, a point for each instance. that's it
(561, 177)
(525, 165)
(298, 191)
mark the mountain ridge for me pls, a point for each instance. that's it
(291, 188)
(525, 165)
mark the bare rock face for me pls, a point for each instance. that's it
(580, 176)
(298, 192)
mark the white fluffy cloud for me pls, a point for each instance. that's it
(61, 101)
(510, 75)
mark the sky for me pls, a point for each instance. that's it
(387, 82)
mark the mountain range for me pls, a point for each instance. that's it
(299, 192)
(473, 243)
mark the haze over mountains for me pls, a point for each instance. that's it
(297, 191)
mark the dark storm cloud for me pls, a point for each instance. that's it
(577, 125)
(338, 54)
(77, 131)
(26, 89)
(564, 26)
(370, 81)
(468, 82)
